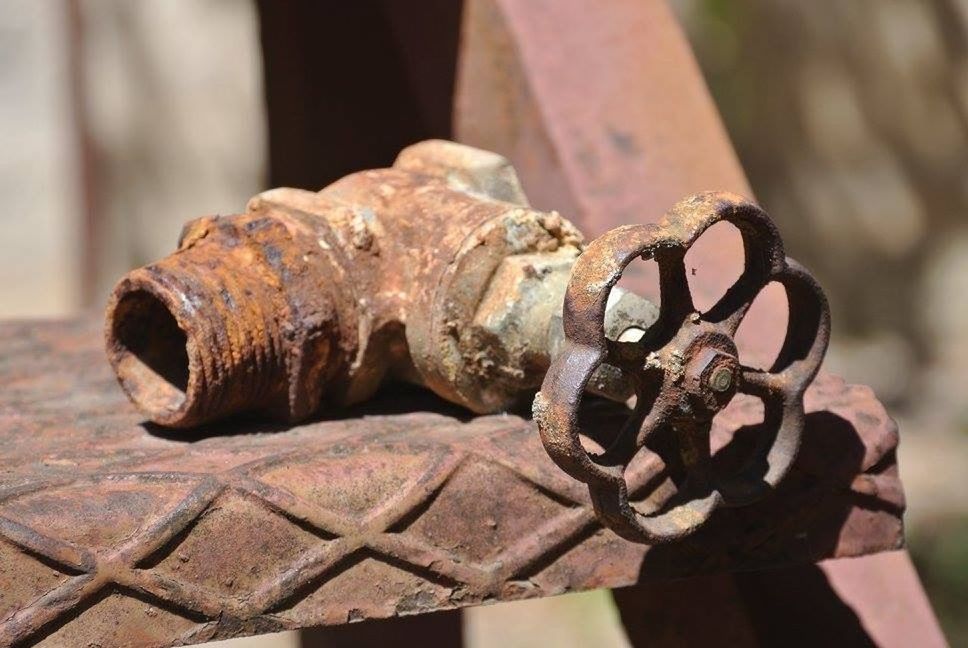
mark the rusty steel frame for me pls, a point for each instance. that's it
(112, 530)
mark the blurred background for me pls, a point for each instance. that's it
(121, 120)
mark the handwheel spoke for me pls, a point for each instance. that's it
(627, 356)
(735, 303)
(621, 451)
(676, 299)
(694, 447)
(763, 384)
(657, 416)
(643, 420)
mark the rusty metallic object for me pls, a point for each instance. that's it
(117, 532)
(412, 272)
(686, 367)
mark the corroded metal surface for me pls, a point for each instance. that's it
(112, 529)
(686, 368)
(315, 297)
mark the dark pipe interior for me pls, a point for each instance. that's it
(153, 356)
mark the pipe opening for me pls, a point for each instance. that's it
(150, 352)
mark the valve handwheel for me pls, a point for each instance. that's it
(685, 368)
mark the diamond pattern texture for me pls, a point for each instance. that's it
(113, 531)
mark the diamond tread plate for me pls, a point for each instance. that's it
(113, 530)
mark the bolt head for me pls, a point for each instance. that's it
(711, 378)
(721, 379)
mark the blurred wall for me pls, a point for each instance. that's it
(119, 121)
(39, 182)
(173, 93)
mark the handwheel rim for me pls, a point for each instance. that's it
(586, 348)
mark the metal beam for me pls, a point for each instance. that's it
(114, 530)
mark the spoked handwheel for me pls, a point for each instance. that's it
(685, 368)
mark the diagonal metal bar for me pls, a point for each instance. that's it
(609, 120)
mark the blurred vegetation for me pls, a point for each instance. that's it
(940, 553)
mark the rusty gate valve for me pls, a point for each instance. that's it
(685, 368)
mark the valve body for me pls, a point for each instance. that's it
(434, 271)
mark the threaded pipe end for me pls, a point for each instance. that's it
(197, 336)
